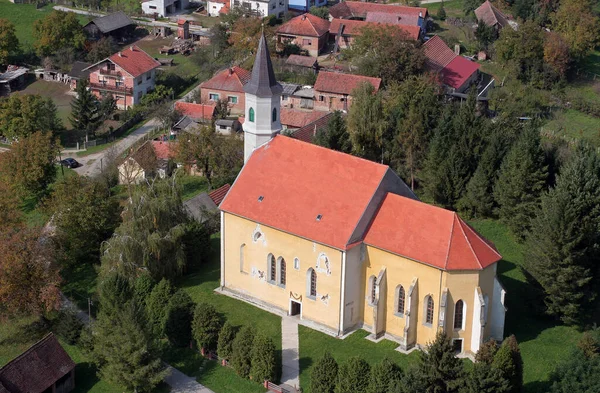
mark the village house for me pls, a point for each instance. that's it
(226, 85)
(261, 8)
(13, 79)
(382, 13)
(333, 90)
(78, 72)
(292, 119)
(456, 73)
(152, 159)
(343, 32)
(43, 368)
(307, 31)
(296, 96)
(202, 205)
(304, 5)
(162, 8)
(127, 75)
(302, 63)
(491, 16)
(217, 7)
(201, 113)
(116, 25)
(309, 131)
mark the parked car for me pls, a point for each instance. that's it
(70, 163)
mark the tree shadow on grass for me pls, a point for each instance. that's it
(85, 377)
(537, 387)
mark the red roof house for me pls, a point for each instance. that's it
(196, 112)
(333, 90)
(293, 118)
(350, 29)
(307, 31)
(227, 85)
(218, 195)
(127, 75)
(491, 15)
(456, 72)
(359, 10)
(44, 367)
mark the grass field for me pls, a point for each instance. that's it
(183, 66)
(574, 124)
(57, 92)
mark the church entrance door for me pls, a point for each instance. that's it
(296, 308)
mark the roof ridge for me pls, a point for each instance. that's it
(449, 241)
(484, 240)
(28, 350)
(468, 241)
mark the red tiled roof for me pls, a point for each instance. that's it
(36, 369)
(181, 22)
(241, 119)
(333, 82)
(458, 71)
(304, 61)
(299, 181)
(162, 150)
(307, 25)
(393, 18)
(231, 79)
(348, 9)
(196, 111)
(225, 9)
(490, 15)
(354, 27)
(308, 132)
(293, 118)
(134, 61)
(428, 234)
(437, 54)
(218, 195)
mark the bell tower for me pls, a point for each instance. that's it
(263, 101)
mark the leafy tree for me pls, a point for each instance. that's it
(10, 212)
(522, 51)
(321, 12)
(589, 343)
(101, 49)
(225, 341)
(561, 247)
(353, 376)
(29, 276)
(219, 37)
(114, 291)
(521, 181)
(334, 136)
(84, 215)
(241, 351)
(366, 122)
(57, 30)
(577, 23)
(485, 34)
(484, 378)
(324, 374)
(29, 165)
(441, 12)
(142, 288)
(68, 326)
(158, 96)
(386, 52)
(178, 319)
(22, 115)
(125, 351)
(151, 236)
(9, 43)
(263, 358)
(487, 352)
(206, 326)
(470, 5)
(156, 306)
(439, 370)
(245, 35)
(508, 360)
(85, 114)
(384, 374)
(556, 53)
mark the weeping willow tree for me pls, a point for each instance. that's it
(152, 235)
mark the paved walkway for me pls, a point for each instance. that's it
(290, 360)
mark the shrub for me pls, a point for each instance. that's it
(241, 351)
(68, 326)
(178, 319)
(384, 374)
(225, 342)
(441, 14)
(323, 376)
(156, 306)
(508, 360)
(353, 376)
(206, 326)
(263, 359)
(142, 288)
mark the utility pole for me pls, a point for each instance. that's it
(89, 309)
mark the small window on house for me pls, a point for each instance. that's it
(459, 312)
(232, 99)
(429, 310)
(400, 300)
(242, 251)
(272, 268)
(152, 7)
(296, 263)
(110, 66)
(306, 41)
(274, 117)
(251, 115)
(140, 81)
(257, 236)
(321, 98)
(213, 97)
(149, 76)
(373, 288)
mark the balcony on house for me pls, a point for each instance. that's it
(112, 87)
(109, 72)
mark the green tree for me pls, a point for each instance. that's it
(384, 374)
(334, 136)
(206, 326)
(263, 358)
(68, 326)
(225, 342)
(114, 291)
(522, 51)
(84, 215)
(470, 5)
(439, 370)
(484, 378)
(579, 25)
(22, 115)
(324, 374)
(366, 123)
(485, 34)
(508, 360)
(561, 252)
(29, 165)
(580, 371)
(321, 12)
(101, 49)
(241, 351)
(156, 306)
(9, 43)
(521, 181)
(142, 288)
(151, 236)
(486, 352)
(353, 376)
(85, 110)
(178, 319)
(57, 30)
(441, 12)
(125, 351)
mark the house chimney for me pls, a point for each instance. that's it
(120, 54)
(231, 71)
(131, 48)
(420, 14)
(457, 49)
(303, 17)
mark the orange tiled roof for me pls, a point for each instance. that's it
(294, 118)
(490, 15)
(231, 79)
(162, 150)
(354, 27)
(218, 195)
(437, 54)
(308, 132)
(196, 111)
(333, 82)
(134, 61)
(359, 9)
(429, 234)
(307, 25)
(299, 181)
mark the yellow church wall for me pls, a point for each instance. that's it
(402, 271)
(250, 278)
(461, 286)
(486, 282)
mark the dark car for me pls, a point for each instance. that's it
(70, 163)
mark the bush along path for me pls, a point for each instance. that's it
(178, 381)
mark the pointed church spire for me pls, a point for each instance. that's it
(263, 82)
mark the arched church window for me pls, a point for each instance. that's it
(282, 271)
(311, 277)
(459, 312)
(251, 115)
(272, 268)
(274, 115)
(429, 310)
(372, 289)
(400, 299)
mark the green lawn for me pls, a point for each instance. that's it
(192, 186)
(454, 8)
(184, 66)
(574, 124)
(57, 92)
(592, 62)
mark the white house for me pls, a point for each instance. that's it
(262, 8)
(163, 8)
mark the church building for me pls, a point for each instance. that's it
(343, 244)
